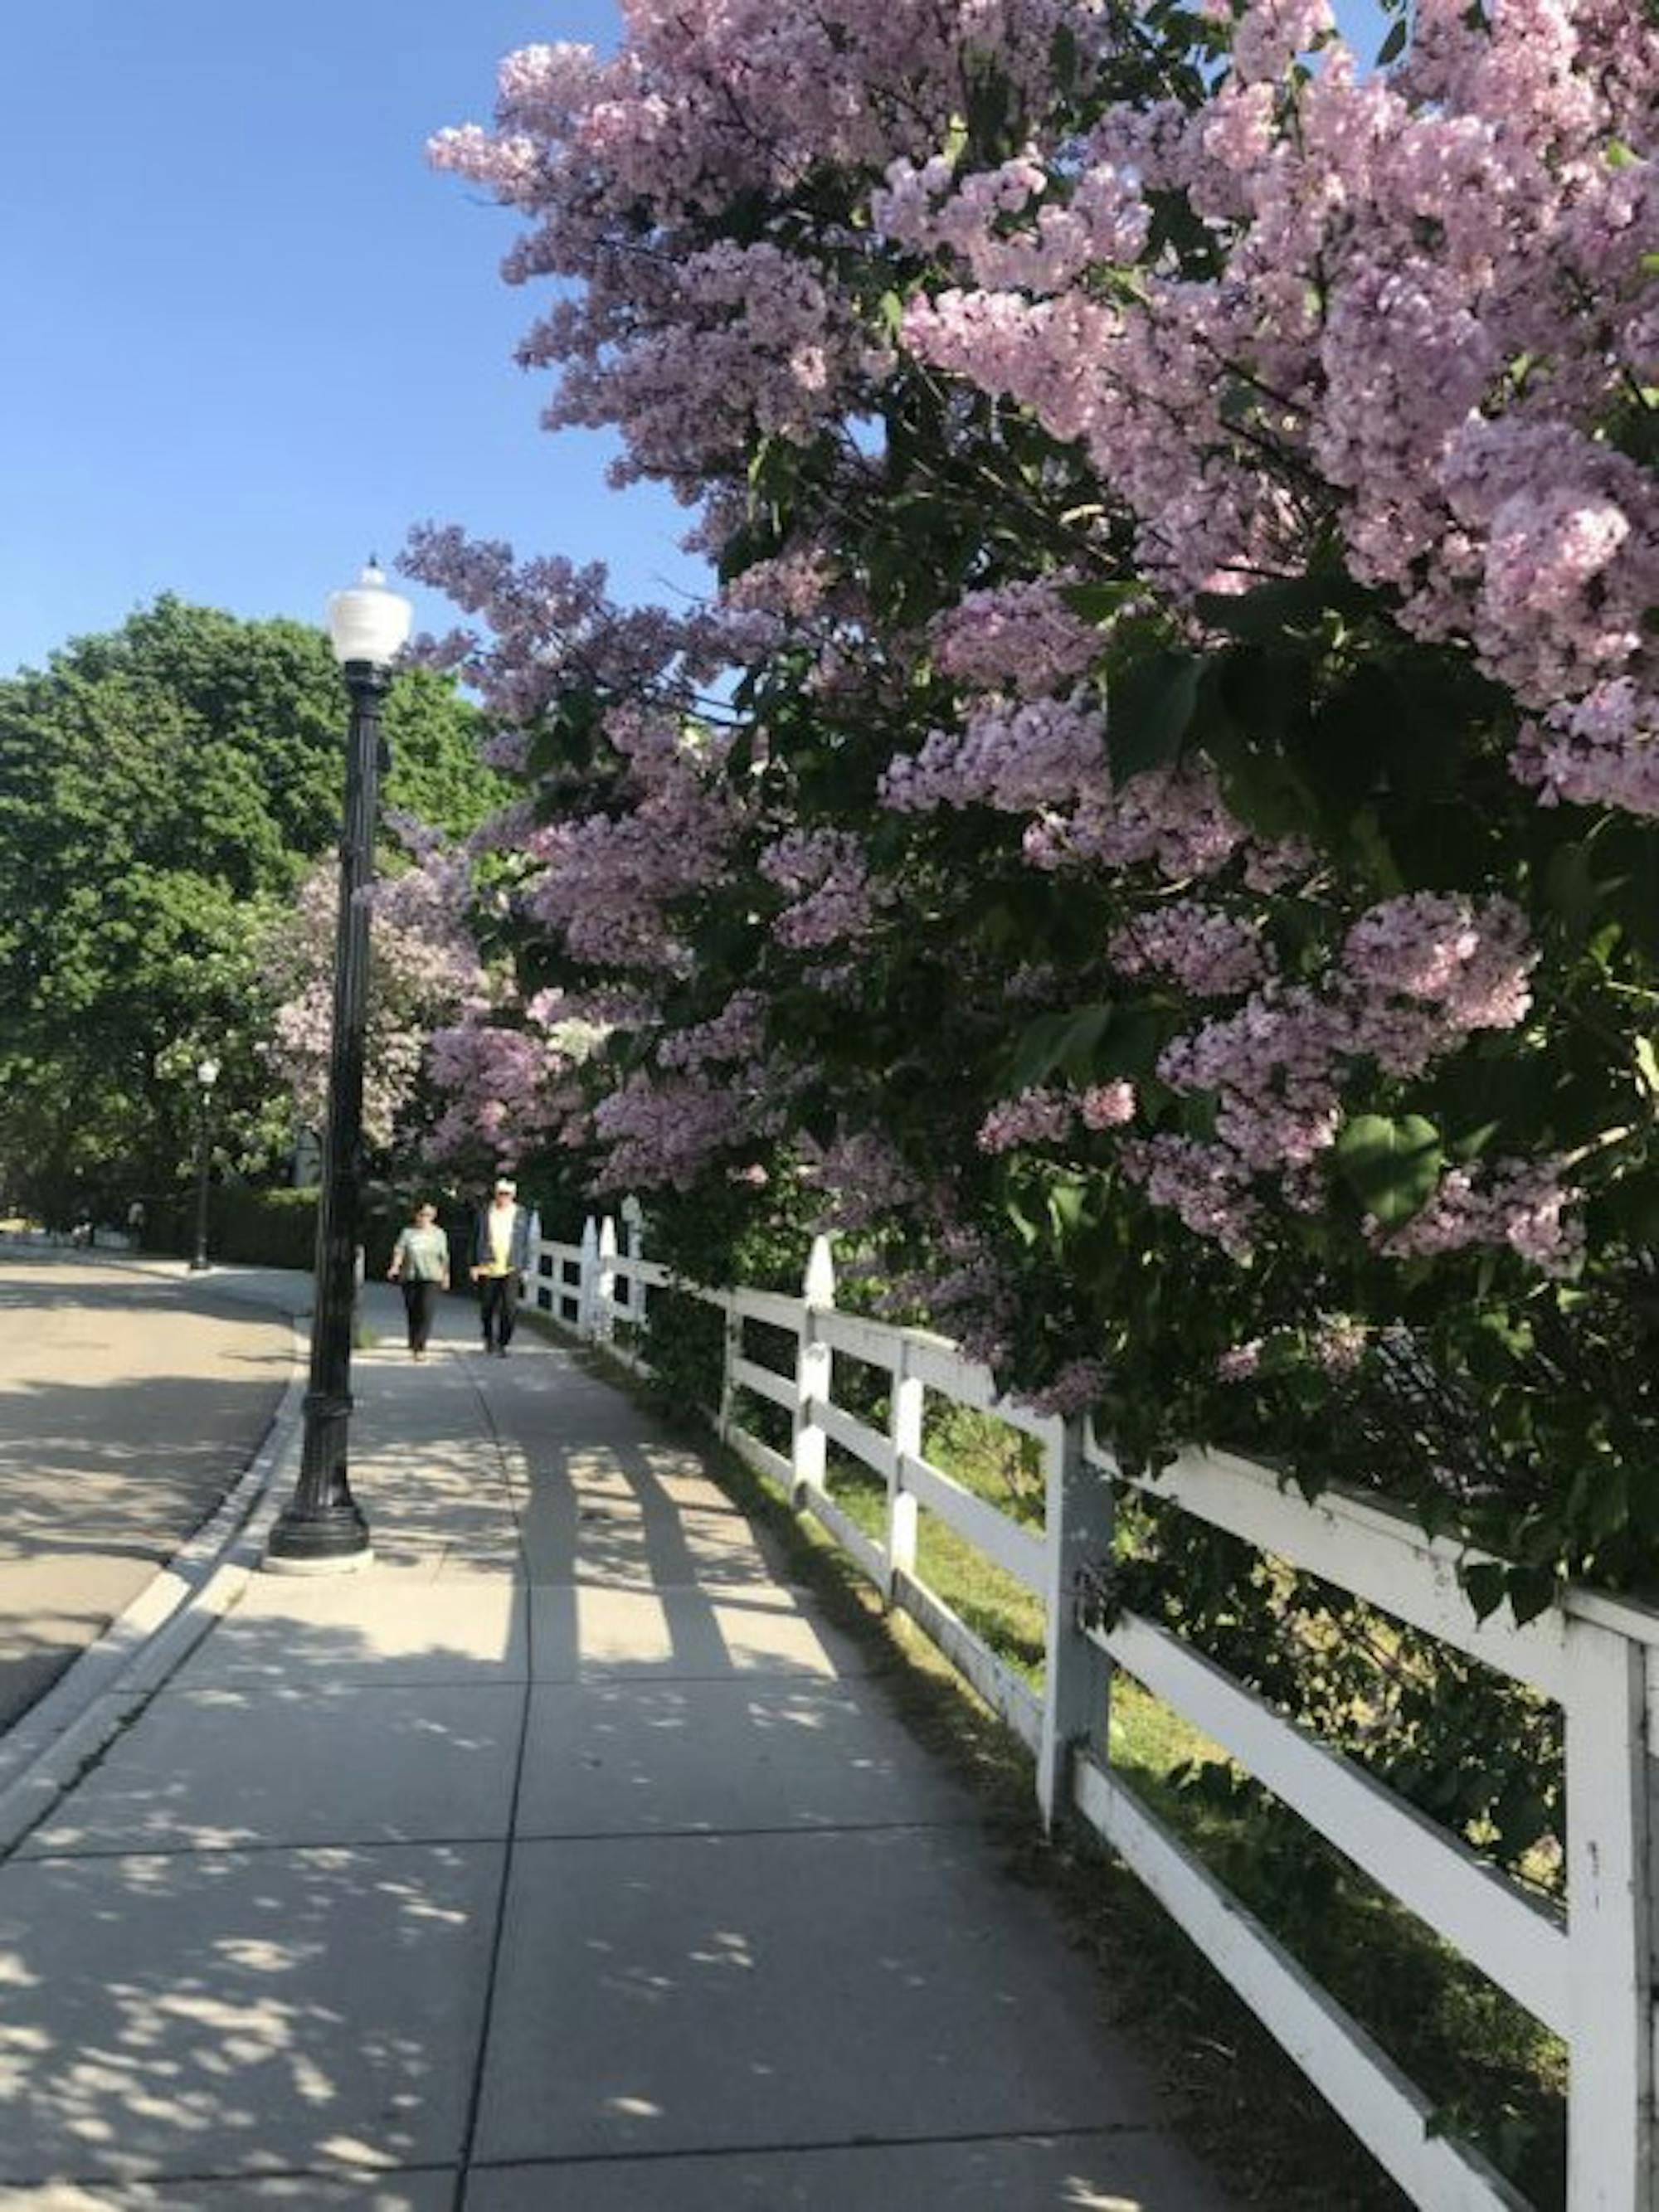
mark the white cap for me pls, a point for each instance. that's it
(503, 1184)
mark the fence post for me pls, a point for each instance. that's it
(730, 1352)
(904, 1433)
(588, 1281)
(604, 1283)
(1076, 1684)
(1610, 1923)
(813, 1375)
(633, 1221)
(543, 1286)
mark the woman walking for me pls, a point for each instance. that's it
(420, 1266)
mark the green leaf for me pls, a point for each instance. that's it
(1392, 47)
(1097, 603)
(1391, 1166)
(1068, 1200)
(1530, 1591)
(1494, 1348)
(1483, 1585)
(989, 102)
(1631, 1205)
(1290, 603)
(1520, 1815)
(1064, 1042)
(1571, 887)
(1375, 854)
(1282, 1352)
(1148, 711)
(1024, 1226)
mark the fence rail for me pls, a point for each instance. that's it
(1587, 1972)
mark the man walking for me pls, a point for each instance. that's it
(502, 1251)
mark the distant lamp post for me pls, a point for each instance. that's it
(321, 1530)
(207, 1075)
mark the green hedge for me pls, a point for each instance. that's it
(266, 1228)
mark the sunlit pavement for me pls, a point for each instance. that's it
(131, 1398)
(561, 1861)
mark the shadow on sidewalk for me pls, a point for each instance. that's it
(566, 1842)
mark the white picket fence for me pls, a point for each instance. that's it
(1588, 1974)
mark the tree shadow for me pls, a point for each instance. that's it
(256, 1939)
(231, 2012)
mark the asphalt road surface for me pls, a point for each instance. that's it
(130, 1402)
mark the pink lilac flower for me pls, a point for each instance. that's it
(1023, 637)
(1077, 1386)
(1599, 750)
(1209, 953)
(1338, 1343)
(862, 1177)
(1239, 1362)
(1402, 308)
(1014, 757)
(1034, 1117)
(1107, 1105)
(736, 1034)
(1525, 1204)
(826, 875)
(1203, 1184)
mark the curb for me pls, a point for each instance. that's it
(112, 1682)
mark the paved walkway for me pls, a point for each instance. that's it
(563, 1861)
(130, 1399)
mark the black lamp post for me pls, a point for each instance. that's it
(207, 1075)
(321, 1530)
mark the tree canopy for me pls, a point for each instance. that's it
(163, 789)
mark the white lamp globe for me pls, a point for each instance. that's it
(207, 1073)
(369, 621)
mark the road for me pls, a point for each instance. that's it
(131, 1398)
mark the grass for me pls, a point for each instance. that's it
(994, 1604)
(1499, 2076)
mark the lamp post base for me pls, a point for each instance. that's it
(334, 1543)
(201, 1267)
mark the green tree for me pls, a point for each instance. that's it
(162, 790)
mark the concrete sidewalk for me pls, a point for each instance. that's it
(563, 1861)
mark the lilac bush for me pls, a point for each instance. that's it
(1156, 824)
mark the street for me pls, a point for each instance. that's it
(130, 1398)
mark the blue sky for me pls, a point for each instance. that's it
(250, 335)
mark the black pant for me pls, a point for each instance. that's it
(498, 1302)
(419, 1298)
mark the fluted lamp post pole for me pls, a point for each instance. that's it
(322, 1530)
(207, 1075)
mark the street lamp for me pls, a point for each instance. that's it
(321, 1530)
(207, 1075)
